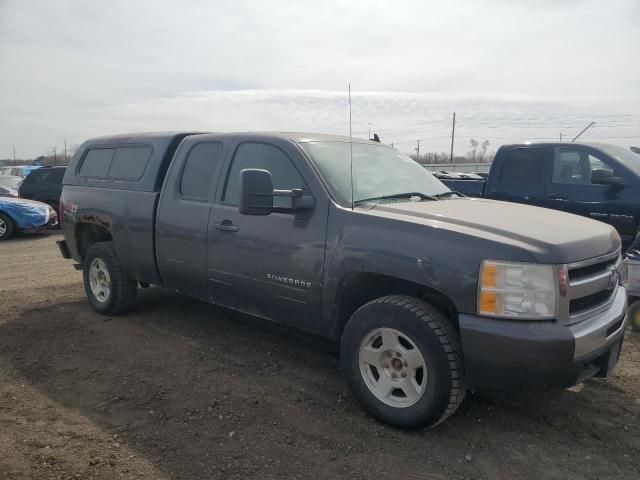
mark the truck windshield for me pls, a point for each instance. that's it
(380, 173)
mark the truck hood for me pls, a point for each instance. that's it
(549, 236)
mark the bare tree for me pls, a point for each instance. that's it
(471, 155)
(483, 151)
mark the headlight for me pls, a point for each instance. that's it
(517, 290)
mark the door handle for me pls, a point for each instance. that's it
(558, 196)
(226, 226)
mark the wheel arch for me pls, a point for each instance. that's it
(87, 234)
(13, 225)
(358, 288)
(8, 215)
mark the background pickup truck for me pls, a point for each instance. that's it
(428, 293)
(595, 180)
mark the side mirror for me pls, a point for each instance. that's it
(606, 177)
(256, 195)
(256, 192)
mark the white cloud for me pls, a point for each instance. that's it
(75, 69)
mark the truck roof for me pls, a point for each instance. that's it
(559, 144)
(135, 137)
(298, 137)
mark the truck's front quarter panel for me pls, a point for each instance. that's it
(438, 259)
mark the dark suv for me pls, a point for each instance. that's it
(44, 185)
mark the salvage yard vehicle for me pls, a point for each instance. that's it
(9, 185)
(27, 216)
(24, 170)
(630, 278)
(429, 293)
(596, 180)
(44, 185)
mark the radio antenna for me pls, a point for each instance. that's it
(350, 148)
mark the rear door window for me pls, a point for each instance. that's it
(199, 169)
(523, 165)
(96, 162)
(48, 176)
(129, 163)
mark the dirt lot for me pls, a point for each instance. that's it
(182, 389)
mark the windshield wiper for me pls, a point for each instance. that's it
(423, 196)
(448, 194)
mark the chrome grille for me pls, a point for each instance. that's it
(591, 287)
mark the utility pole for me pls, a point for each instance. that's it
(418, 150)
(561, 138)
(584, 130)
(14, 153)
(55, 158)
(369, 124)
(453, 134)
(65, 152)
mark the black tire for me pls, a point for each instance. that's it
(634, 316)
(123, 290)
(10, 227)
(436, 340)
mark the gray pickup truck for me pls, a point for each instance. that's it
(429, 293)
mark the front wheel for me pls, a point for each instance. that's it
(403, 361)
(7, 227)
(108, 289)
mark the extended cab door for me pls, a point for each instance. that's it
(183, 215)
(519, 176)
(270, 266)
(571, 188)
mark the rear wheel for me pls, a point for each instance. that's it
(108, 289)
(403, 362)
(7, 227)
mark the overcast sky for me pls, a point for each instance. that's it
(511, 70)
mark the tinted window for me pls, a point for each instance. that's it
(199, 169)
(96, 162)
(572, 166)
(129, 162)
(266, 157)
(47, 176)
(523, 165)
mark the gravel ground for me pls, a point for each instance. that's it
(181, 389)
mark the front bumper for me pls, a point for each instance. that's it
(520, 355)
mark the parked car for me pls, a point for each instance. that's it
(24, 170)
(44, 185)
(5, 170)
(428, 293)
(595, 180)
(27, 216)
(9, 185)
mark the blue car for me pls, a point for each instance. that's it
(21, 215)
(24, 170)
